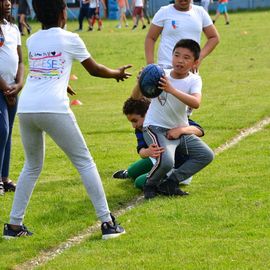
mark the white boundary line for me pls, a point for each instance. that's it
(243, 134)
(46, 256)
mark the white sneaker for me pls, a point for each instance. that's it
(187, 181)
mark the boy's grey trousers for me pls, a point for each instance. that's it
(199, 153)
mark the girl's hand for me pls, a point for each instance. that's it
(13, 90)
(154, 150)
(165, 84)
(122, 73)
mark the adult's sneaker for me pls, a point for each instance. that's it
(111, 229)
(10, 233)
(9, 185)
(122, 174)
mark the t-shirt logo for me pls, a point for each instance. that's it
(2, 40)
(174, 24)
(46, 65)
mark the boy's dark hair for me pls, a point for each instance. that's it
(48, 11)
(190, 44)
(136, 106)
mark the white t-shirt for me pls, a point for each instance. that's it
(138, 3)
(50, 56)
(178, 25)
(166, 110)
(9, 58)
(94, 3)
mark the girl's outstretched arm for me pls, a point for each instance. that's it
(99, 70)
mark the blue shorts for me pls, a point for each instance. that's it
(222, 8)
(93, 12)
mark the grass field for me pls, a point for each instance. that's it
(223, 224)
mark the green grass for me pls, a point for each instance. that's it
(223, 224)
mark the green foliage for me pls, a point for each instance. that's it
(223, 224)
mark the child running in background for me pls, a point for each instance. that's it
(123, 7)
(23, 12)
(84, 13)
(135, 111)
(137, 6)
(222, 9)
(94, 13)
(11, 82)
(181, 88)
(44, 108)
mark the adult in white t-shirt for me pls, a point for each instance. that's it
(181, 20)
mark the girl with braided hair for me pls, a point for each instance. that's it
(44, 108)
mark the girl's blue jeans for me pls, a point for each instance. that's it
(7, 116)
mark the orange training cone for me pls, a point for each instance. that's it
(73, 77)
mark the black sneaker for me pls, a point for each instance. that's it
(170, 187)
(2, 189)
(134, 27)
(9, 186)
(150, 191)
(144, 26)
(10, 233)
(122, 174)
(111, 230)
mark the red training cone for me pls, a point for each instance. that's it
(75, 102)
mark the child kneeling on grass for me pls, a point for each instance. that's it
(44, 108)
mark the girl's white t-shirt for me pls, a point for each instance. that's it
(94, 3)
(50, 56)
(9, 59)
(166, 110)
(178, 25)
(138, 3)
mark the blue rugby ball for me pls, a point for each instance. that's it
(149, 79)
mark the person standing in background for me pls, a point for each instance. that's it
(177, 21)
(23, 12)
(11, 82)
(95, 13)
(123, 7)
(145, 11)
(137, 6)
(222, 9)
(84, 13)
